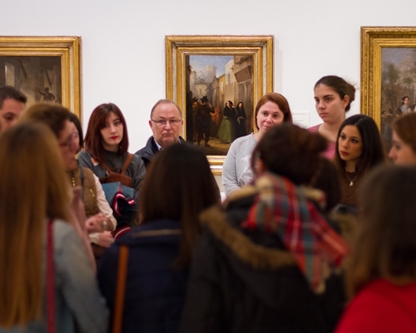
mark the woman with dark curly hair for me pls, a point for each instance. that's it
(261, 263)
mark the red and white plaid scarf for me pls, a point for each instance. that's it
(282, 208)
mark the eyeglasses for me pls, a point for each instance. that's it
(163, 123)
(70, 141)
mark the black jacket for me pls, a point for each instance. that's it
(147, 152)
(154, 291)
(228, 292)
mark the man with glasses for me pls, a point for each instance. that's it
(166, 123)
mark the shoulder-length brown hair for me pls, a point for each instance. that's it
(93, 137)
(280, 101)
(178, 185)
(385, 245)
(404, 127)
(33, 188)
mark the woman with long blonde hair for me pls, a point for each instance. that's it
(34, 195)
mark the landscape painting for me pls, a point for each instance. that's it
(388, 75)
(398, 80)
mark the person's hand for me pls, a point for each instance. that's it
(105, 239)
(96, 223)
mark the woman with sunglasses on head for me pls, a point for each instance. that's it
(89, 207)
(58, 119)
(358, 150)
(106, 145)
(333, 98)
(272, 109)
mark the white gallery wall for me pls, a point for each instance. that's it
(123, 45)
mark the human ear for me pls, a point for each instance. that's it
(345, 101)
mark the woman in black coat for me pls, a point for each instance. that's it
(262, 263)
(240, 123)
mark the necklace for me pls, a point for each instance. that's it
(351, 180)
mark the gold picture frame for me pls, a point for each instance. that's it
(46, 68)
(250, 72)
(387, 72)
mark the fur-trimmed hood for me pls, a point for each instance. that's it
(262, 269)
(262, 252)
(257, 256)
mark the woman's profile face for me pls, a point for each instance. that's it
(269, 115)
(401, 153)
(68, 142)
(75, 134)
(240, 105)
(329, 105)
(350, 144)
(112, 132)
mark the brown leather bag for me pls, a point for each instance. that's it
(121, 177)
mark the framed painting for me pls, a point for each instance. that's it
(217, 81)
(388, 74)
(43, 68)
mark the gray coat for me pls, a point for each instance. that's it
(77, 298)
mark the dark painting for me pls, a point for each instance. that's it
(219, 100)
(38, 77)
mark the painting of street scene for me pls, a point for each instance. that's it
(219, 100)
(398, 94)
(38, 77)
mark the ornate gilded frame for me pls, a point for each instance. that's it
(69, 51)
(373, 40)
(178, 47)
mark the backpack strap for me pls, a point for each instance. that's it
(126, 164)
(106, 167)
(50, 278)
(82, 177)
(120, 289)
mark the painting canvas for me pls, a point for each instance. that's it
(398, 83)
(219, 91)
(45, 69)
(217, 81)
(39, 78)
(388, 75)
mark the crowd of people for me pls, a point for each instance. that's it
(316, 233)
